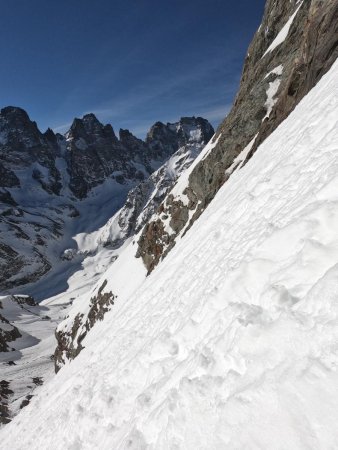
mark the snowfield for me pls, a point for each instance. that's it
(232, 341)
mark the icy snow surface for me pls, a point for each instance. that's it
(232, 342)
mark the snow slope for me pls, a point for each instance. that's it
(232, 342)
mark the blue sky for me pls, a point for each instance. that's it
(131, 62)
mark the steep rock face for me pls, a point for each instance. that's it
(27, 169)
(95, 153)
(138, 151)
(294, 46)
(167, 139)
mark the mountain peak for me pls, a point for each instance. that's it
(123, 133)
(50, 135)
(90, 118)
(16, 117)
(19, 130)
(89, 125)
(14, 111)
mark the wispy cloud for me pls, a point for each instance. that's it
(62, 128)
(168, 96)
(161, 95)
(216, 114)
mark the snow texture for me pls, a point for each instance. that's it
(231, 342)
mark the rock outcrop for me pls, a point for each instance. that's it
(8, 334)
(293, 48)
(69, 342)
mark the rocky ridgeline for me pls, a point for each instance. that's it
(46, 180)
(293, 48)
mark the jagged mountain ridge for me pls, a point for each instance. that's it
(48, 184)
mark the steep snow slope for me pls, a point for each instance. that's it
(232, 341)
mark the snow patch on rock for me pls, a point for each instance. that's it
(283, 34)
